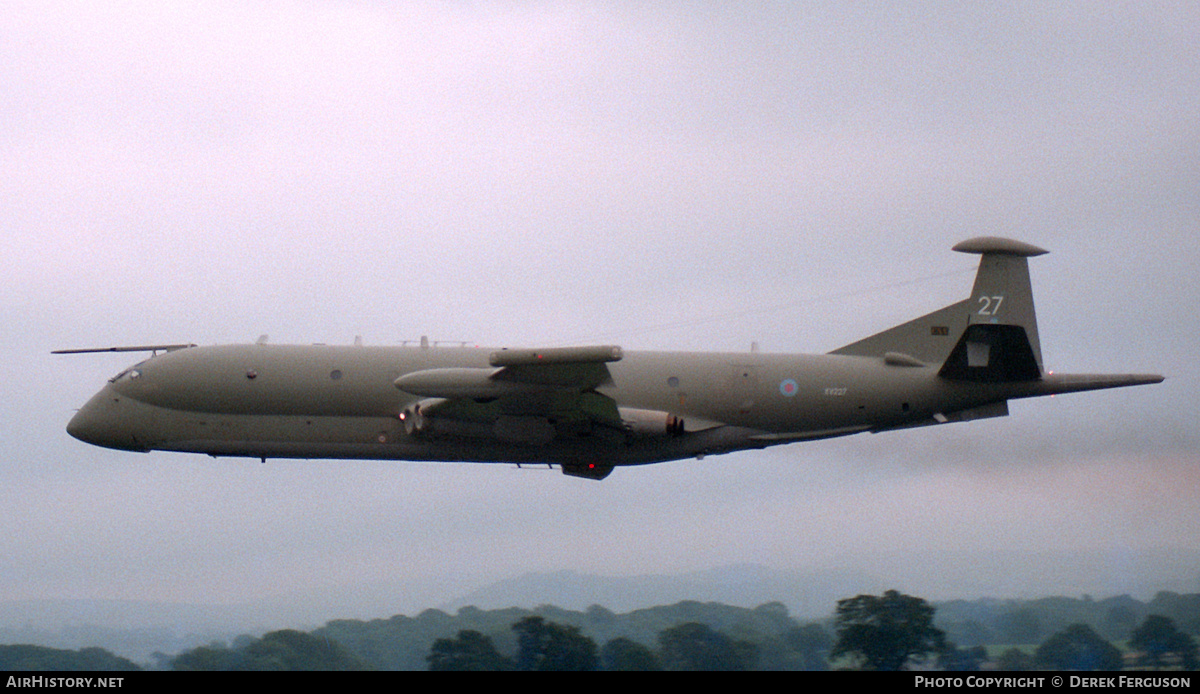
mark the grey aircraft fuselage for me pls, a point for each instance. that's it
(586, 409)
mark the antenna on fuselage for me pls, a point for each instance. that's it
(138, 348)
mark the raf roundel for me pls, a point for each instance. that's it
(788, 387)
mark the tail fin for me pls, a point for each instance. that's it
(991, 336)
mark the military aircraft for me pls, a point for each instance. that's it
(586, 409)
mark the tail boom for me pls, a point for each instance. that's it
(1057, 384)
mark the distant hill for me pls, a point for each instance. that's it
(810, 595)
(138, 629)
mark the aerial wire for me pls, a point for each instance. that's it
(773, 308)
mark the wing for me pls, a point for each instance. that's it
(526, 395)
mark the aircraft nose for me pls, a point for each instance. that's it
(101, 423)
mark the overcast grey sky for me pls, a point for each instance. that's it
(659, 176)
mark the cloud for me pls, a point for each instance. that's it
(666, 177)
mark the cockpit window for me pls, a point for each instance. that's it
(132, 372)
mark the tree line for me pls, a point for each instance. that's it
(888, 632)
(885, 632)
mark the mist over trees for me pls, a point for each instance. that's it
(989, 621)
(890, 631)
(286, 649)
(627, 655)
(695, 646)
(27, 658)
(878, 632)
(1077, 647)
(470, 651)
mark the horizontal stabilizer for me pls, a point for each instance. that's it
(927, 339)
